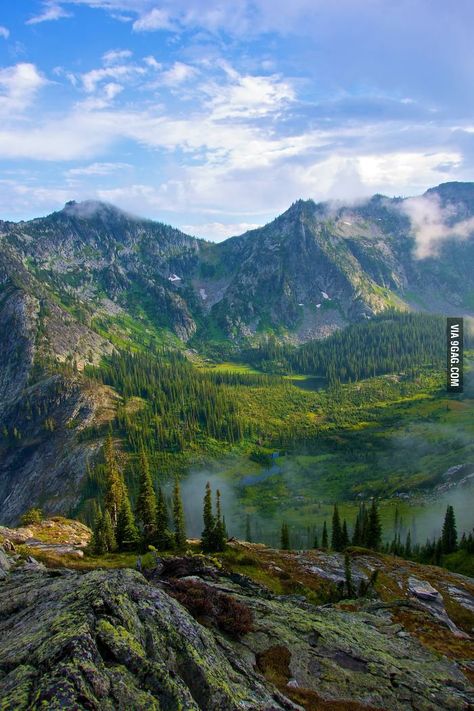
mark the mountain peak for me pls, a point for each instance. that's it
(90, 209)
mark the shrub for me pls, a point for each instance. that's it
(31, 516)
(211, 607)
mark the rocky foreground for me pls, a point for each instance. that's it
(194, 633)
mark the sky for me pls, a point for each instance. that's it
(214, 116)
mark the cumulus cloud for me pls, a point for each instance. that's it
(19, 85)
(114, 56)
(4, 32)
(154, 20)
(51, 11)
(433, 224)
(177, 74)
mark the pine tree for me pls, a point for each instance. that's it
(285, 537)
(316, 541)
(348, 575)
(336, 534)
(449, 536)
(374, 531)
(344, 536)
(357, 533)
(178, 517)
(114, 483)
(164, 538)
(207, 536)
(127, 534)
(146, 502)
(324, 540)
(408, 551)
(220, 538)
(97, 542)
(108, 533)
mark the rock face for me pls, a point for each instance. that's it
(113, 640)
(109, 640)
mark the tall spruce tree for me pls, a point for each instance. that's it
(285, 537)
(97, 542)
(126, 531)
(178, 517)
(344, 536)
(374, 529)
(164, 538)
(324, 540)
(207, 536)
(357, 533)
(146, 501)
(220, 535)
(114, 483)
(449, 536)
(336, 533)
(108, 533)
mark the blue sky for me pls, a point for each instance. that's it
(215, 116)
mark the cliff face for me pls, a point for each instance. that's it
(195, 636)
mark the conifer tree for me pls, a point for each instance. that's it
(97, 543)
(108, 533)
(324, 540)
(285, 537)
(449, 536)
(178, 517)
(114, 483)
(164, 539)
(408, 551)
(357, 533)
(207, 536)
(348, 575)
(336, 533)
(146, 501)
(374, 530)
(344, 535)
(316, 541)
(127, 534)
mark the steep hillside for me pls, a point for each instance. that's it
(312, 270)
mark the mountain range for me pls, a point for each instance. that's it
(89, 279)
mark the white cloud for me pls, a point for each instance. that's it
(4, 32)
(249, 96)
(18, 86)
(116, 55)
(217, 231)
(177, 74)
(97, 169)
(91, 79)
(51, 11)
(433, 224)
(155, 20)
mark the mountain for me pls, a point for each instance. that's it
(314, 269)
(91, 279)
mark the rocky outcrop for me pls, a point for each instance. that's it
(114, 640)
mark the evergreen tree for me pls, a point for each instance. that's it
(408, 551)
(357, 533)
(285, 537)
(114, 483)
(324, 540)
(449, 536)
(344, 535)
(336, 534)
(108, 533)
(220, 537)
(127, 534)
(207, 536)
(97, 542)
(164, 538)
(374, 530)
(146, 501)
(348, 575)
(178, 517)
(316, 541)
